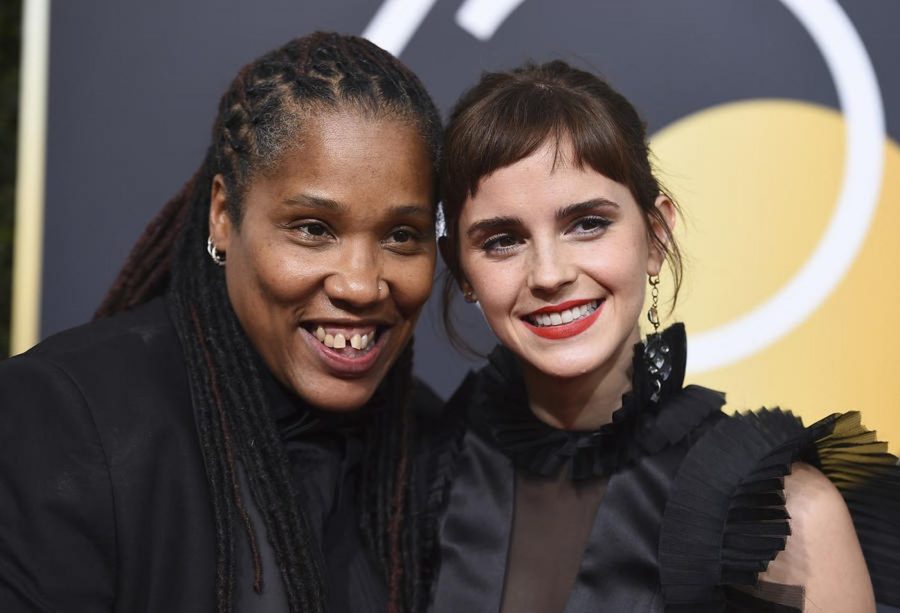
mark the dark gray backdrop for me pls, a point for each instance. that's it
(134, 87)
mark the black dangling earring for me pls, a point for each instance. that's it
(657, 353)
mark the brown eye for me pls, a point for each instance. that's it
(313, 230)
(405, 240)
(402, 236)
(500, 243)
(590, 225)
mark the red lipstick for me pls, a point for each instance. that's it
(564, 330)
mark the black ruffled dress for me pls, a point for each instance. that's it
(673, 506)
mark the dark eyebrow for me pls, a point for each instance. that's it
(319, 202)
(412, 210)
(316, 202)
(492, 223)
(583, 207)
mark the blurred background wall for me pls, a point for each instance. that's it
(775, 124)
(10, 22)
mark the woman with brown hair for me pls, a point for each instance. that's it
(581, 474)
(238, 428)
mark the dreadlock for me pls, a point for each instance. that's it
(259, 116)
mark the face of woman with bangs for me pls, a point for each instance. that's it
(557, 256)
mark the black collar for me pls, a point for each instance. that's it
(500, 410)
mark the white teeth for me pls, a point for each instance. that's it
(566, 316)
(360, 342)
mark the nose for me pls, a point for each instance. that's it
(356, 279)
(549, 270)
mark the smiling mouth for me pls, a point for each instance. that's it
(347, 351)
(545, 319)
(564, 320)
(354, 341)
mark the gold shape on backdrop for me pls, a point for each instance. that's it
(758, 182)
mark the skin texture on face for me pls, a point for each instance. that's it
(544, 234)
(337, 239)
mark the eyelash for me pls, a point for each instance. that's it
(303, 230)
(602, 223)
(491, 245)
(413, 244)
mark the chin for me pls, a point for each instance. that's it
(338, 395)
(565, 366)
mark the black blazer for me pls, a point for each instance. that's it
(103, 494)
(104, 502)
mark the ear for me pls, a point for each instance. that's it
(666, 208)
(220, 225)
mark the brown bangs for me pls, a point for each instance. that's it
(512, 122)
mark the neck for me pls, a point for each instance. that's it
(583, 402)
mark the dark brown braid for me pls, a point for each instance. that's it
(259, 117)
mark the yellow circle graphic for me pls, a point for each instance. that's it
(758, 182)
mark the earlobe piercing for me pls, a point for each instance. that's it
(217, 256)
(469, 296)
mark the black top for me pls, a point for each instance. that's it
(673, 506)
(104, 502)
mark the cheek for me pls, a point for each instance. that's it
(411, 282)
(275, 274)
(497, 287)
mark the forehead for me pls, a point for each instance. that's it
(351, 158)
(547, 179)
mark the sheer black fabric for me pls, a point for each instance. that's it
(551, 524)
(662, 537)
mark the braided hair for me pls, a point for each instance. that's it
(260, 115)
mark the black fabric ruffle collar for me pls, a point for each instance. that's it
(499, 409)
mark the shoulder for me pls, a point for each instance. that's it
(108, 387)
(145, 328)
(760, 495)
(823, 552)
(105, 362)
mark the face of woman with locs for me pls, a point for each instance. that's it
(332, 258)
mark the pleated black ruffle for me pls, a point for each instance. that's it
(726, 519)
(498, 405)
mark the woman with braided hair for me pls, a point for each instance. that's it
(237, 430)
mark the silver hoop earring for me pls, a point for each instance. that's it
(217, 256)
